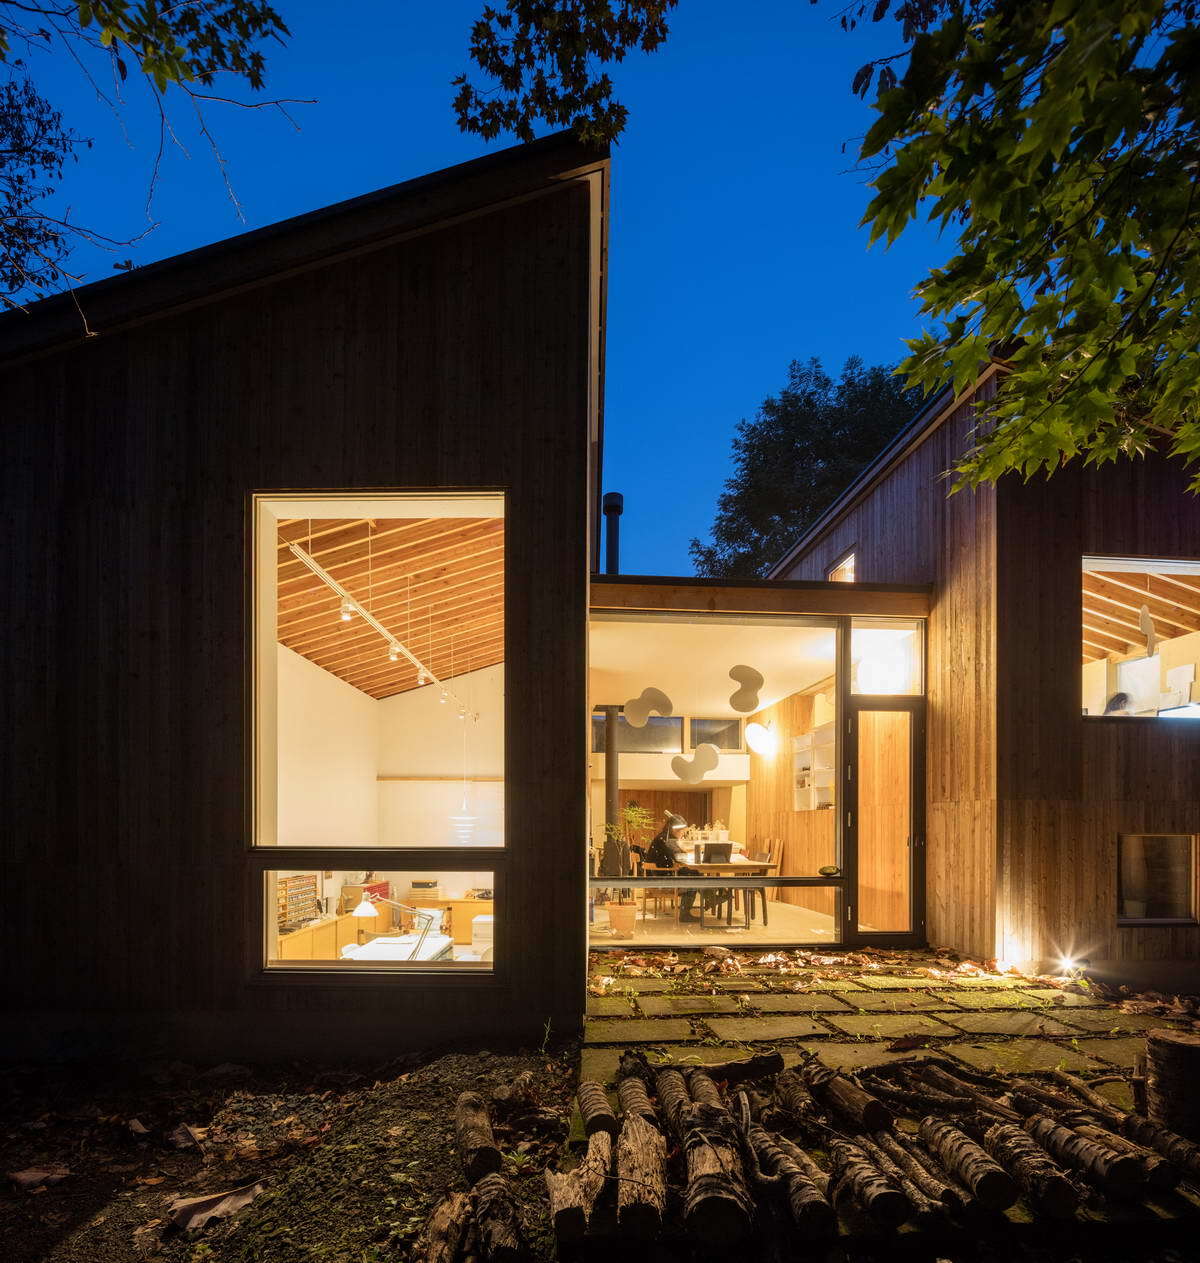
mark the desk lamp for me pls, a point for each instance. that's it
(367, 909)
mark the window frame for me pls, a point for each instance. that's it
(740, 720)
(849, 554)
(1193, 883)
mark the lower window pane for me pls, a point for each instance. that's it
(354, 919)
(1156, 879)
(674, 911)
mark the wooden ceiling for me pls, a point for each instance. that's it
(1112, 602)
(437, 584)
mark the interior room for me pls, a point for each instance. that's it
(380, 722)
(728, 723)
(1141, 638)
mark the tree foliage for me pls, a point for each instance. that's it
(804, 447)
(1060, 141)
(187, 46)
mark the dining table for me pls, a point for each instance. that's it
(735, 866)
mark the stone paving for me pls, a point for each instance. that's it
(849, 1016)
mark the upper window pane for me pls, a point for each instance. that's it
(1140, 637)
(843, 572)
(379, 654)
(658, 735)
(886, 656)
(725, 734)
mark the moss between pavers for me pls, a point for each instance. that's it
(1019, 1055)
(993, 1000)
(634, 1030)
(609, 1006)
(1117, 1052)
(823, 984)
(894, 982)
(739, 983)
(894, 1002)
(764, 1029)
(643, 986)
(1009, 1022)
(992, 980)
(789, 1002)
(891, 1025)
(666, 1005)
(1067, 999)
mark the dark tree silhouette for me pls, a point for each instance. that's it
(805, 445)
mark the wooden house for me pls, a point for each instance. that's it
(1063, 754)
(323, 737)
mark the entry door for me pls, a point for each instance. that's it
(885, 818)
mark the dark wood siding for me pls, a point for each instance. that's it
(907, 529)
(1069, 785)
(457, 358)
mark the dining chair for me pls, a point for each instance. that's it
(770, 855)
(662, 896)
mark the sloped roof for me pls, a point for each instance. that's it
(298, 243)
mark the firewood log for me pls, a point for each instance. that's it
(703, 1090)
(497, 1221)
(449, 1227)
(1039, 1176)
(951, 1084)
(634, 1099)
(818, 1177)
(641, 1177)
(956, 1195)
(791, 1093)
(573, 1195)
(810, 1209)
(595, 1110)
(673, 1100)
(1159, 1171)
(991, 1185)
(840, 1093)
(922, 1101)
(1172, 1072)
(717, 1207)
(1181, 1152)
(924, 1208)
(856, 1174)
(473, 1134)
(933, 1186)
(1119, 1173)
(730, 1073)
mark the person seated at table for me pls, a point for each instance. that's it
(665, 851)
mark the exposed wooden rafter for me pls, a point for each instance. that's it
(1112, 605)
(436, 583)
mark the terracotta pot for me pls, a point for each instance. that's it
(621, 916)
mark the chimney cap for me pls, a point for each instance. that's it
(614, 502)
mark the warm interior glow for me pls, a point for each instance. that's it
(761, 739)
(364, 909)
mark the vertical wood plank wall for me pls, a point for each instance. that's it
(1068, 785)
(459, 357)
(884, 819)
(808, 837)
(907, 529)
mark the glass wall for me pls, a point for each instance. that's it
(1156, 877)
(356, 919)
(747, 807)
(1141, 638)
(886, 656)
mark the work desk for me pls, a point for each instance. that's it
(459, 914)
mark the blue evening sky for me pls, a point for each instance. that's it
(734, 243)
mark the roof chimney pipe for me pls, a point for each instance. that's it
(613, 505)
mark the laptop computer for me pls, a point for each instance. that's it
(716, 852)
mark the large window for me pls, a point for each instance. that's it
(1141, 637)
(379, 717)
(843, 570)
(657, 735)
(1156, 877)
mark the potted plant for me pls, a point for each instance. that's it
(632, 822)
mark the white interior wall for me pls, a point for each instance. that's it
(421, 737)
(327, 754)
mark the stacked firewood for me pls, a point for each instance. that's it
(745, 1151)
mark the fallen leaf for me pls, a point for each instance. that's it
(185, 1136)
(150, 1179)
(138, 1128)
(195, 1212)
(906, 1042)
(38, 1177)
